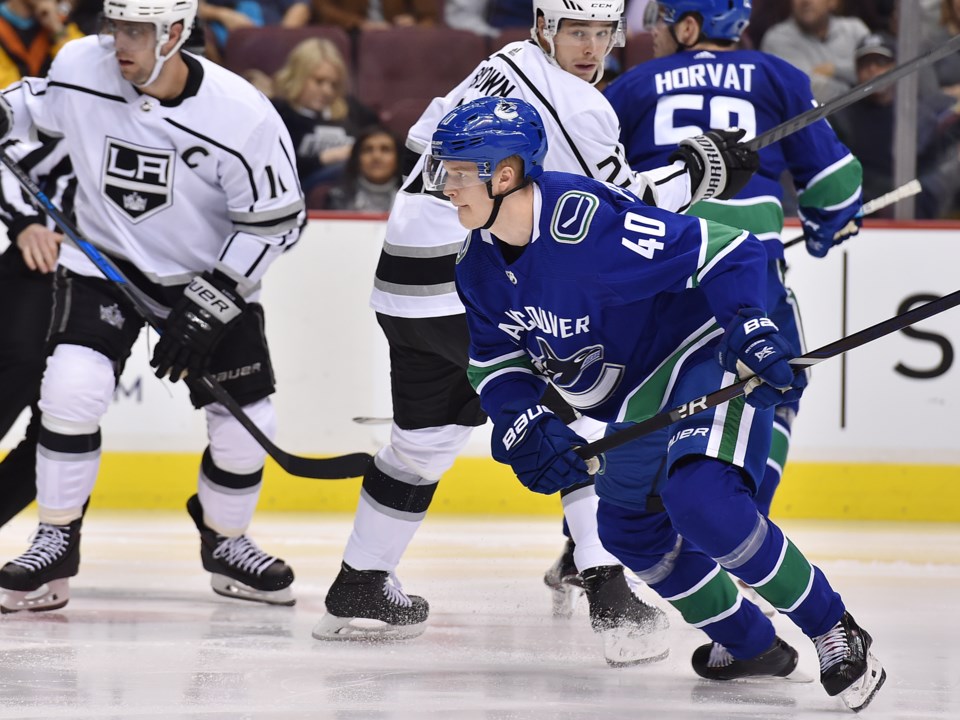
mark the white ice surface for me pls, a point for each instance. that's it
(144, 636)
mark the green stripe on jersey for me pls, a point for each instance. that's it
(647, 398)
(760, 218)
(780, 446)
(476, 374)
(835, 187)
(731, 431)
(719, 239)
(708, 603)
(790, 579)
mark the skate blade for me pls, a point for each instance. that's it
(228, 587)
(626, 646)
(49, 596)
(331, 627)
(563, 599)
(862, 691)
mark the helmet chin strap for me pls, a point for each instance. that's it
(498, 200)
(161, 59)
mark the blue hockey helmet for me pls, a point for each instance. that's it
(487, 131)
(721, 19)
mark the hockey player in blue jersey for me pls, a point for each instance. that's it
(701, 80)
(627, 309)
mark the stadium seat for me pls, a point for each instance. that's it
(414, 63)
(266, 48)
(639, 48)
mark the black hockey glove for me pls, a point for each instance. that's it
(719, 166)
(210, 304)
(753, 346)
(539, 448)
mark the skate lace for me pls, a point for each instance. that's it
(242, 553)
(719, 656)
(832, 647)
(47, 544)
(393, 590)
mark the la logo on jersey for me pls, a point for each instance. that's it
(137, 180)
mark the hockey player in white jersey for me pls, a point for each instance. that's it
(434, 406)
(190, 208)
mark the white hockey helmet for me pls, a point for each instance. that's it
(163, 14)
(554, 11)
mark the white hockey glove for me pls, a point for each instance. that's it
(210, 304)
(719, 166)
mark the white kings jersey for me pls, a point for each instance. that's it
(415, 276)
(174, 187)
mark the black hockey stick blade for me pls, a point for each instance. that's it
(851, 96)
(332, 468)
(725, 394)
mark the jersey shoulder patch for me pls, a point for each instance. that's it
(572, 216)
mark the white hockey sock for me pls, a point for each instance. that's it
(65, 480)
(378, 541)
(225, 511)
(580, 509)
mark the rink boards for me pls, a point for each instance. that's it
(876, 437)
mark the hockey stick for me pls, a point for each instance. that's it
(861, 91)
(334, 468)
(906, 190)
(725, 394)
(366, 420)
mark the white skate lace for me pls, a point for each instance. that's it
(47, 545)
(832, 647)
(394, 592)
(719, 656)
(242, 553)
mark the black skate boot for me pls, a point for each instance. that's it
(239, 568)
(847, 667)
(38, 579)
(633, 631)
(714, 662)
(370, 605)
(566, 585)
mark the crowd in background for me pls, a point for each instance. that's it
(838, 43)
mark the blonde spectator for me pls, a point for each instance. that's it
(311, 95)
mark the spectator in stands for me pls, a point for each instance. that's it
(310, 93)
(224, 16)
(470, 15)
(820, 43)
(356, 15)
(85, 14)
(948, 68)
(867, 128)
(372, 176)
(31, 34)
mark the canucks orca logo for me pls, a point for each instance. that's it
(566, 372)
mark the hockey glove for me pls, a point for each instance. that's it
(753, 346)
(824, 230)
(210, 304)
(719, 166)
(539, 448)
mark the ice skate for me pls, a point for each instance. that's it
(633, 632)
(239, 568)
(714, 662)
(370, 605)
(564, 582)
(847, 667)
(38, 579)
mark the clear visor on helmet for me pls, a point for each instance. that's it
(440, 174)
(604, 36)
(133, 36)
(653, 13)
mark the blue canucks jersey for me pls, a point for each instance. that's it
(608, 301)
(665, 100)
